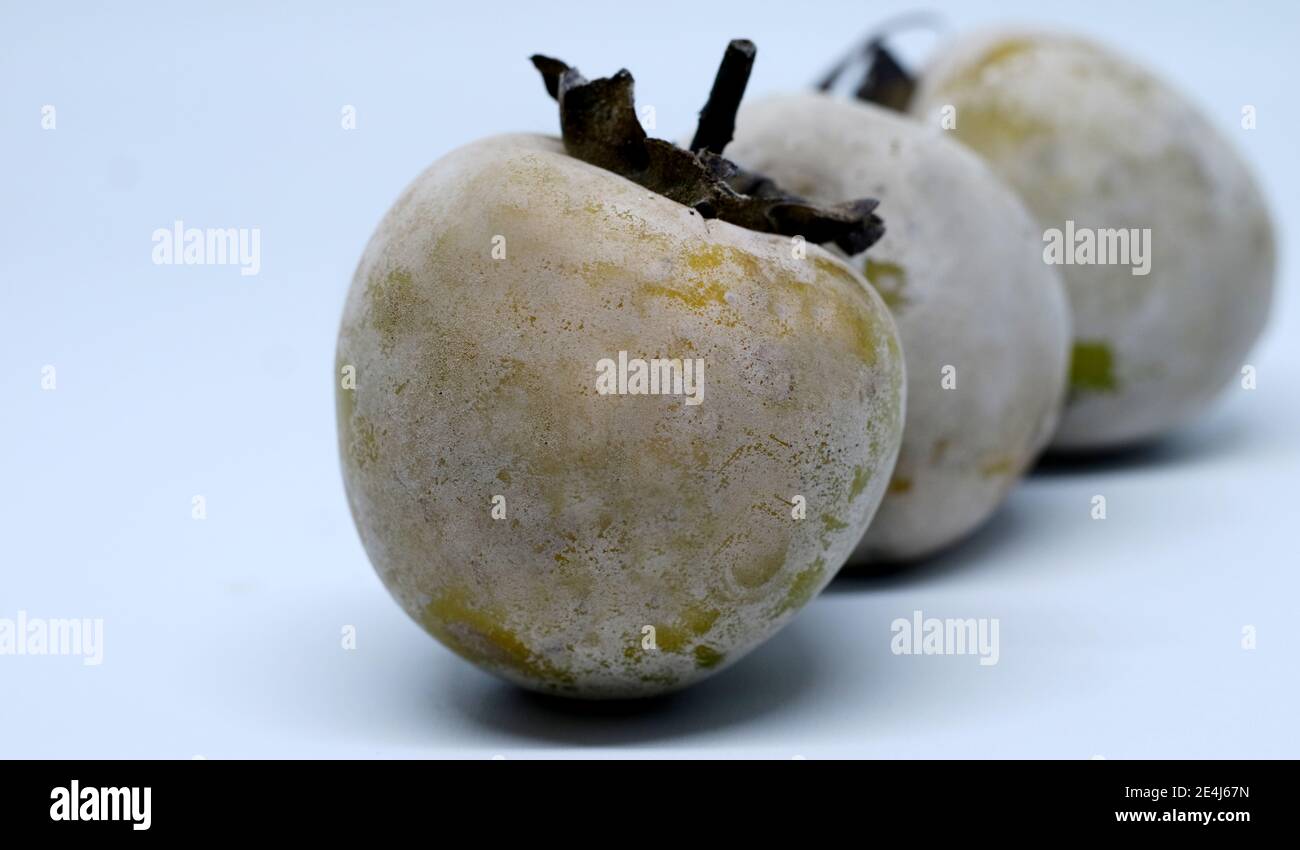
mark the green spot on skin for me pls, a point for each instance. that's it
(699, 619)
(998, 130)
(670, 638)
(706, 284)
(695, 621)
(998, 467)
(996, 55)
(707, 656)
(479, 636)
(1092, 368)
(707, 258)
(665, 679)
(861, 477)
(695, 297)
(992, 123)
(833, 523)
(759, 572)
(855, 324)
(365, 446)
(888, 279)
(599, 273)
(802, 588)
(390, 299)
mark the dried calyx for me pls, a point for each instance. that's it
(599, 124)
(884, 81)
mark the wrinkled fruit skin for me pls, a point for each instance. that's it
(961, 269)
(475, 377)
(1084, 135)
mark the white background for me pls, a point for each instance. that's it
(1119, 638)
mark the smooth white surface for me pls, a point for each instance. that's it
(1119, 638)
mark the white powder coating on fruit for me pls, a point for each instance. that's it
(476, 377)
(1088, 137)
(960, 266)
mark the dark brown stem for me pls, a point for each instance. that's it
(838, 69)
(598, 124)
(886, 81)
(718, 117)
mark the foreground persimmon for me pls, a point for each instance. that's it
(523, 488)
